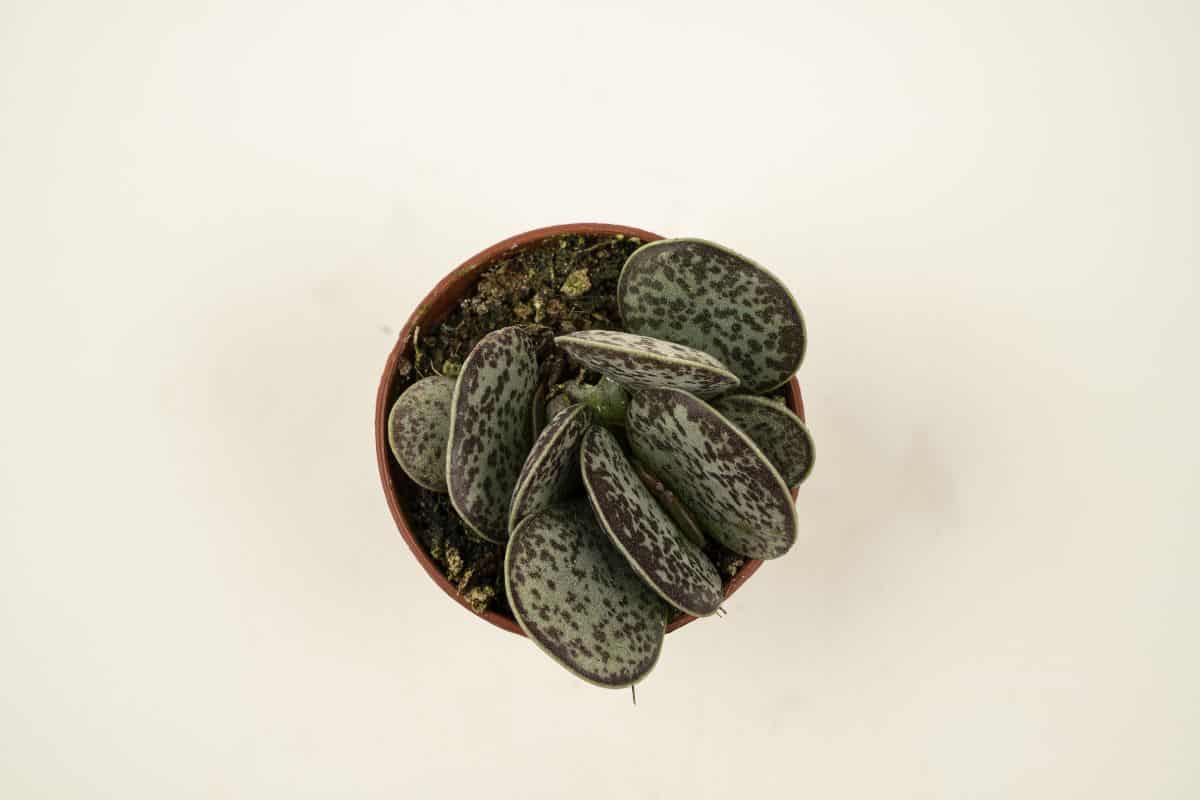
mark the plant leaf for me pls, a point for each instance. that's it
(781, 435)
(557, 403)
(702, 295)
(645, 534)
(551, 470)
(727, 483)
(490, 429)
(641, 362)
(578, 599)
(418, 425)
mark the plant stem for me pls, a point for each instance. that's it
(607, 399)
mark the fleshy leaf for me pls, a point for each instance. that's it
(490, 429)
(781, 435)
(670, 503)
(578, 599)
(551, 470)
(704, 296)
(727, 483)
(645, 534)
(640, 362)
(556, 404)
(418, 425)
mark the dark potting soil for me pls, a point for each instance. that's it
(566, 283)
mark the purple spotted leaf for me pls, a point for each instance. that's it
(781, 435)
(578, 599)
(557, 403)
(718, 472)
(418, 425)
(490, 429)
(709, 298)
(551, 470)
(641, 362)
(670, 563)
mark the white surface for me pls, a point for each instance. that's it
(216, 216)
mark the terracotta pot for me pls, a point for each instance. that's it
(434, 308)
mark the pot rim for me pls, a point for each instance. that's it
(454, 285)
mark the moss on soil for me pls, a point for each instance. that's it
(565, 283)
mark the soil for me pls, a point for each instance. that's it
(565, 283)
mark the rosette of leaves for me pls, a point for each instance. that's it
(606, 508)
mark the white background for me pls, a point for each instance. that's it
(214, 217)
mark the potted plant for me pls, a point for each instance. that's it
(591, 435)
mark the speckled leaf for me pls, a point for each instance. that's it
(699, 294)
(418, 425)
(490, 429)
(578, 599)
(647, 536)
(556, 404)
(781, 435)
(641, 362)
(727, 483)
(551, 470)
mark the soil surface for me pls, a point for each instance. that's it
(565, 283)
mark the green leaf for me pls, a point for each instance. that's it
(640, 362)
(489, 437)
(727, 483)
(702, 295)
(668, 561)
(551, 470)
(578, 599)
(418, 425)
(781, 435)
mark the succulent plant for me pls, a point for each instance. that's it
(606, 506)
